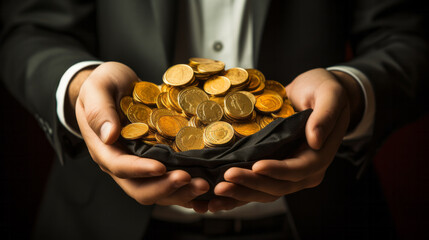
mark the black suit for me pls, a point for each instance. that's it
(40, 43)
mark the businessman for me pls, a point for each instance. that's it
(353, 62)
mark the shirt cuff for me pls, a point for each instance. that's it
(62, 89)
(366, 124)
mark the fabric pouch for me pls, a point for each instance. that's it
(279, 140)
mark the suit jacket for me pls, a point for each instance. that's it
(43, 38)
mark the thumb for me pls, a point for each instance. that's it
(100, 112)
(329, 102)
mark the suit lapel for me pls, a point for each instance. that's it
(259, 11)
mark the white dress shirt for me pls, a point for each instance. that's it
(222, 30)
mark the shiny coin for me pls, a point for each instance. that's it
(178, 75)
(172, 98)
(125, 103)
(169, 126)
(197, 61)
(244, 129)
(134, 131)
(264, 120)
(238, 105)
(257, 73)
(249, 95)
(159, 100)
(211, 68)
(157, 113)
(285, 111)
(209, 111)
(268, 102)
(146, 92)
(276, 87)
(218, 134)
(217, 85)
(138, 113)
(189, 98)
(189, 138)
(254, 82)
(237, 76)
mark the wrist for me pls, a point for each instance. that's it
(355, 96)
(72, 94)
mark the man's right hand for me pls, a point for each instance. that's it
(94, 94)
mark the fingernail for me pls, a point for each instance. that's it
(105, 131)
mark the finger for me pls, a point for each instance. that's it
(272, 187)
(293, 169)
(241, 193)
(200, 206)
(307, 162)
(100, 111)
(184, 195)
(224, 203)
(113, 159)
(329, 102)
(148, 191)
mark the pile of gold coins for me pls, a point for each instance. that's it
(202, 105)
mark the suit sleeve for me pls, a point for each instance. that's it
(390, 46)
(41, 39)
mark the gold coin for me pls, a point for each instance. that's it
(162, 140)
(250, 95)
(258, 90)
(264, 120)
(150, 142)
(254, 82)
(146, 92)
(138, 113)
(134, 131)
(218, 134)
(172, 98)
(125, 103)
(178, 75)
(157, 113)
(189, 98)
(150, 136)
(238, 105)
(209, 111)
(217, 85)
(237, 76)
(276, 87)
(244, 129)
(214, 67)
(259, 74)
(197, 61)
(189, 138)
(268, 102)
(169, 126)
(159, 100)
(285, 111)
(165, 87)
